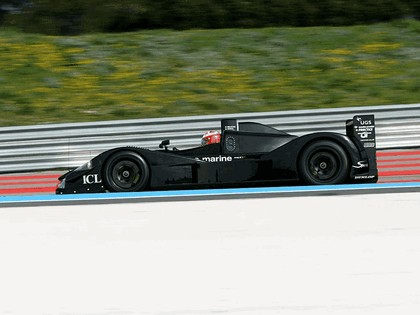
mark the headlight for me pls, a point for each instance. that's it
(86, 166)
(62, 184)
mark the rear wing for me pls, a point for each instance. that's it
(361, 129)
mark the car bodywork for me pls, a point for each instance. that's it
(249, 154)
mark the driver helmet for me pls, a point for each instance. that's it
(210, 137)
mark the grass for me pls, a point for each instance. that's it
(164, 73)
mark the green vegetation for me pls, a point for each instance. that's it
(63, 17)
(163, 73)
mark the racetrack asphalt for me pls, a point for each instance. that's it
(322, 255)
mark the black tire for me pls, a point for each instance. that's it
(126, 171)
(324, 162)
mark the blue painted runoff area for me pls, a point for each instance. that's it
(207, 192)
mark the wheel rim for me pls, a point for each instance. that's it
(323, 166)
(126, 174)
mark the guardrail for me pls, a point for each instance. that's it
(61, 146)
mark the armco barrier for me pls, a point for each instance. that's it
(62, 146)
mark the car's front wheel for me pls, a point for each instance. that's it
(323, 162)
(126, 171)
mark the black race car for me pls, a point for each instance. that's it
(249, 154)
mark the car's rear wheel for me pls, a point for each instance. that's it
(323, 162)
(126, 171)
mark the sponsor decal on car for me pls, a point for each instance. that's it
(364, 122)
(220, 158)
(91, 179)
(364, 176)
(361, 164)
(365, 130)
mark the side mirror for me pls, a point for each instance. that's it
(164, 144)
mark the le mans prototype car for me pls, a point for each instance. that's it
(249, 154)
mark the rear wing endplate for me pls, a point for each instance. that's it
(362, 130)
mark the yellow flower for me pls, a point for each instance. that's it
(334, 59)
(338, 51)
(377, 47)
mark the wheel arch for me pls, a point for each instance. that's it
(138, 151)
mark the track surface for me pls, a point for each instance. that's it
(393, 165)
(338, 255)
